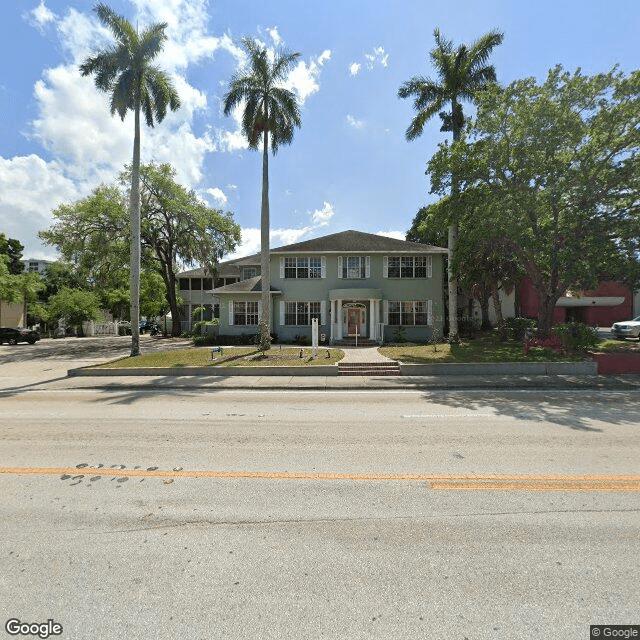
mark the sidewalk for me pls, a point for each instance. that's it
(440, 383)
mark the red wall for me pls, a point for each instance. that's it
(600, 316)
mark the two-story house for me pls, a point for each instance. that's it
(354, 283)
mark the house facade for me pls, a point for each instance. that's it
(354, 283)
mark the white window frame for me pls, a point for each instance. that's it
(428, 266)
(319, 267)
(404, 315)
(239, 311)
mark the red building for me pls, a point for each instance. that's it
(609, 303)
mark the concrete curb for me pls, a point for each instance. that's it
(588, 368)
(319, 370)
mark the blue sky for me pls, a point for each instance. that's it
(349, 166)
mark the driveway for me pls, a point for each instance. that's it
(49, 359)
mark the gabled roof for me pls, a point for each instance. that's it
(251, 285)
(357, 242)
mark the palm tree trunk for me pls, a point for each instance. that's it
(452, 281)
(134, 211)
(265, 269)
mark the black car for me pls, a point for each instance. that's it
(151, 326)
(17, 334)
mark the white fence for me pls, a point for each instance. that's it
(102, 328)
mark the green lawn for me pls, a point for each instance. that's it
(483, 349)
(230, 357)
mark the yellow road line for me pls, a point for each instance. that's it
(439, 481)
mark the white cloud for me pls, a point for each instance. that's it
(377, 56)
(275, 36)
(250, 243)
(354, 122)
(30, 189)
(398, 235)
(39, 17)
(303, 79)
(218, 195)
(322, 217)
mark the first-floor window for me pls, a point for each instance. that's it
(408, 312)
(245, 313)
(301, 313)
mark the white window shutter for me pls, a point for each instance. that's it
(430, 312)
(323, 267)
(323, 312)
(385, 272)
(282, 313)
(367, 267)
(339, 266)
(385, 305)
(230, 312)
(429, 266)
(282, 267)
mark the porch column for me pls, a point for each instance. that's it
(339, 313)
(372, 319)
(331, 319)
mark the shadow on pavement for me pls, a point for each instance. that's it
(560, 408)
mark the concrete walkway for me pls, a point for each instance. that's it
(363, 354)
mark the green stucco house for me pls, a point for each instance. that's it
(354, 283)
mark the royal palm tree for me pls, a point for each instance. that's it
(124, 70)
(462, 72)
(270, 114)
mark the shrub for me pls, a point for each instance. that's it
(576, 337)
(518, 327)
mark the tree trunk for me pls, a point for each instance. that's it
(545, 314)
(134, 211)
(497, 307)
(452, 282)
(170, 283)
(265, 270)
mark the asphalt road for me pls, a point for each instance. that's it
(191, 513)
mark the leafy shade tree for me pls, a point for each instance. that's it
(176, 228)
(484, 262)
(558, 166)
(126, 73)
(13, 249)
(74, 306)
(462, 73)
(270, 114)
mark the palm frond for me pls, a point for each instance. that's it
(121, 28)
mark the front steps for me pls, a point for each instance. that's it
(368, 369)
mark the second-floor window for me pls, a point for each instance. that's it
(354, 267)
(407, 267)
(301, 268)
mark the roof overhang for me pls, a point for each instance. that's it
(587, 301)
(355, 293)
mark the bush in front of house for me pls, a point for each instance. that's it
(518, 327)
(576, 336)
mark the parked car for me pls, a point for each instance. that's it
(13, 335)
(151, 326)
(626, 329)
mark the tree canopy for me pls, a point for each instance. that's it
(177, 228)
(555, 168)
